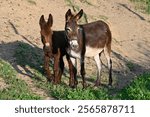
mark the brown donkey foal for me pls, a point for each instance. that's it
(88, 40)
(54, 45)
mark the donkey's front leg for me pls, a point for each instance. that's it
(73, 71)
(46, 67)
(56, 67)
(83, 72)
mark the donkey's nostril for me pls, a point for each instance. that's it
(47, 48)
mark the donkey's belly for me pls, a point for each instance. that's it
(91, 52)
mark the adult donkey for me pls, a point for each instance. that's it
(54, 45)
(88, 40)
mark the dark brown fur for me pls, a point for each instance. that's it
(54, 45)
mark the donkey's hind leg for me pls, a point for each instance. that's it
(82, 71)
(99, 67)
(107, 52)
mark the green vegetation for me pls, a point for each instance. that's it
(32, 2)
(63, 91)
(17, 88)
(142, 5)
(139, 89)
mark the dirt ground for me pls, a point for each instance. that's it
(19, 21)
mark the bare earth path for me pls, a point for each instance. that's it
(131, 33)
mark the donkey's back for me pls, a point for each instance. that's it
(59, 41)
(97, 34)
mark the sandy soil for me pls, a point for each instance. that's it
(19, 21)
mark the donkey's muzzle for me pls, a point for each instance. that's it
(47, 47)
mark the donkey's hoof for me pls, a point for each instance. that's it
(55, 83)
(97, 84)
(72, 86)
(76, 83)
(109, 85)
(85, 85)
(50, 78)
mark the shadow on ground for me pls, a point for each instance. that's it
(30, 57)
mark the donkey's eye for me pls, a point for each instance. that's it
(68, 29)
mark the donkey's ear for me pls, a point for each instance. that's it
(50, 20)
(79, 15)
(42, 20)
(68, 14)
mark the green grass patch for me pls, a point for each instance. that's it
(17, 88)
(64, 92)
(143, 5)
(139, 89)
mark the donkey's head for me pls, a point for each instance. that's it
(46, 32)
(72, 28)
